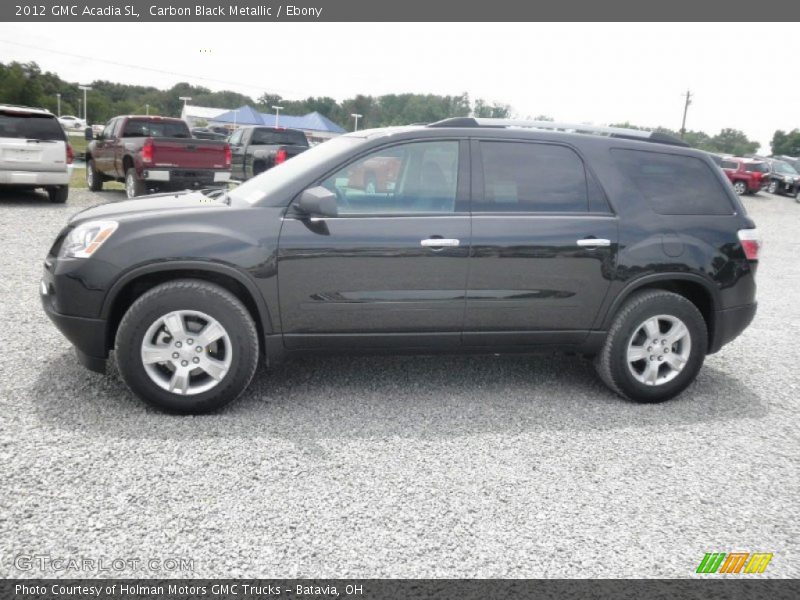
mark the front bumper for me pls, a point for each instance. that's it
(87, 335)
(730, 323)
(35, 178)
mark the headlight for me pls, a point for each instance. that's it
(85, 239)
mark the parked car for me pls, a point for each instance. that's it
(72, 122)
(747, 175)
(496, 237)
(34, 151)
(256, 149)
(783, 178)
(793, 161)
(153, 153)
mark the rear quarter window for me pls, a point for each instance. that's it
(674, 184)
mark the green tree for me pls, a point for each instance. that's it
(786, 143)
(733, 141)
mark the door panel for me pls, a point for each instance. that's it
(528, 273)
(378, 268)
(356, 275)
(540, 260)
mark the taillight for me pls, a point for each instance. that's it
(751, 243)
(147, 151)
(70, 154)
(228, 155)
(280, 156)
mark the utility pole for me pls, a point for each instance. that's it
(685, 109)
(58, 98)
(278, 110)
(356, 116)
(85, 89)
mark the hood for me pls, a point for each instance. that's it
(149, 206)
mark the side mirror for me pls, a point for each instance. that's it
(87, 134)
(318, 202)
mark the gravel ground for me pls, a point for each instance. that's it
(401, 466)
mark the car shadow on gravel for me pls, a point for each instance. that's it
(435, 397)
(23, 197)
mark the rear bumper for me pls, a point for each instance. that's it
(87, 335)
(35, 178)
(186, 177)
(730, 323)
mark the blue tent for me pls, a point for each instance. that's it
(244, 115)
(247, 115)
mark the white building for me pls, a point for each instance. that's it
(200, 114)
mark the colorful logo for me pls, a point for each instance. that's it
(734, 562)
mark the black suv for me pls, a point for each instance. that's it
(484, 236)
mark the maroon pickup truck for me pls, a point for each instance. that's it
(154, 154)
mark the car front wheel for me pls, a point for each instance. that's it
(187, 346)
(773, 187)
(740, 187)
(93, 180)
(654, 348)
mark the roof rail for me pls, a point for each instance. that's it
(617, 132)
(9, 105)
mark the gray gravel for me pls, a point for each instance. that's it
(401, 466)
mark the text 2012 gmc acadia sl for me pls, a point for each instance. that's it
(494, 236)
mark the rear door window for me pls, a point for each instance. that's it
(31, 126)
(531, 177)
(674, 184)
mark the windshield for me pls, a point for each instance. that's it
(784, 168)
(30, 126)
(274, 179)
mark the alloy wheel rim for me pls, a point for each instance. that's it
(129, 187)
(186, 352)
(89, 174)
(739, 187)
(658, 350)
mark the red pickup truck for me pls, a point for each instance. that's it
(154, 154)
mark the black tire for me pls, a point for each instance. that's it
(133, 185)
(259, 167)
(188, 295)
(94, 181)
(772, 188)
(58, 194)
(612, 364)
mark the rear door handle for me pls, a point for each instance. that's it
(593, 242)
(439, 243)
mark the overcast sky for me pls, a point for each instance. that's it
(599, 73)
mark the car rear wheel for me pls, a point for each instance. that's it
(654, 348)
(187, 346)
(133, 185)
(740, 187)
(93, 180)
(58, 194)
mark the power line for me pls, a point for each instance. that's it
(150, 69)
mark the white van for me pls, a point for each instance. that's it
(34, 151)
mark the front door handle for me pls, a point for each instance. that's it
(439, 243)
(593, 243)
